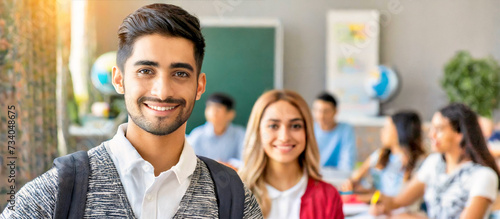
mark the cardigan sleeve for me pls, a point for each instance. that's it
(36, 199)
(251, 209)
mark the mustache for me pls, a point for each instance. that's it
(171, 100)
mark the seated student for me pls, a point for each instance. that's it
(487, 126)
(336, 141)
(218, 138)
(461, 180)
(391, 166)
(495, 136)
(491, 135)
(281, 160)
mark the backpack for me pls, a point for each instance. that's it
(73, 171)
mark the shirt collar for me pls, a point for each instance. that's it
(126, 154)
(186, 165)
(209, 129)
(128, 157)
(318, 129)
(274, 193)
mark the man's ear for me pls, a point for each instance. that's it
(117, 80)
(202, 82)
(231, 115)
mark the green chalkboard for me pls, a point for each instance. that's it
(239, 61)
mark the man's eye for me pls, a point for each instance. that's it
(145, 71)
(181, 74)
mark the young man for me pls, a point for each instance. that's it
(336, 141)
(147, 170)
(218, 138)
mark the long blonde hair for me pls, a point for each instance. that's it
(254, 157)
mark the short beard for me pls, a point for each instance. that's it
(154, 127)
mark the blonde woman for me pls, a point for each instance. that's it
(281, 160)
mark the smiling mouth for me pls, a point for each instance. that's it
(161, 108)
(284, 148)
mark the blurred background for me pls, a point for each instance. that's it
(50, 71)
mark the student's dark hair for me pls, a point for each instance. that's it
(325, 96)
(463, 120)
(163, 19)
(409, 128)
(223, 99)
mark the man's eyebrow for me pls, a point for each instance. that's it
(146, 62)
(182, 65)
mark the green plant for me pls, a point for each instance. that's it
(475, 82)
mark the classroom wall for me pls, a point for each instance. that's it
(417, 40)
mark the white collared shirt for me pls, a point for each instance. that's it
(286, 204)
(150, 196)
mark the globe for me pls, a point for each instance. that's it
(101, 73)
(382, 83)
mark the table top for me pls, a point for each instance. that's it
(360, 211)
(334, 176)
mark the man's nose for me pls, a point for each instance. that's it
(161, 88)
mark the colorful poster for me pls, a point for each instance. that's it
(352, 52)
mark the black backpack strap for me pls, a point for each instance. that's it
(228, 188)
(73, 172)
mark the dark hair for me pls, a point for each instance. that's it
(409, 128)
(223, 99)
(463, 120)
(325, 96)
(164, 19)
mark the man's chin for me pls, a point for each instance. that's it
(157, 126)
(162, 131)
(158, 132)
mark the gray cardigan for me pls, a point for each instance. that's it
(106, 196)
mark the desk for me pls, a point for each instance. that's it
(94, 131)
(351, 210)
(356, 210)
(334, 176)
(360, 211)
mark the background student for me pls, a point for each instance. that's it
(336, 141)
(218, 138)
(461, 179)
(281, 160)
(392, 165)
(491, 135)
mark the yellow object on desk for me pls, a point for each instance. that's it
(375, 197)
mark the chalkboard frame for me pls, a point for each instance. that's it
(262, 25)
(256, 22)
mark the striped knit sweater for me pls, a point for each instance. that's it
(106, 197)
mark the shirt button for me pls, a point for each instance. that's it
(148, 197)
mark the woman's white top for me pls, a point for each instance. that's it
(286, 204)
(447, 194)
